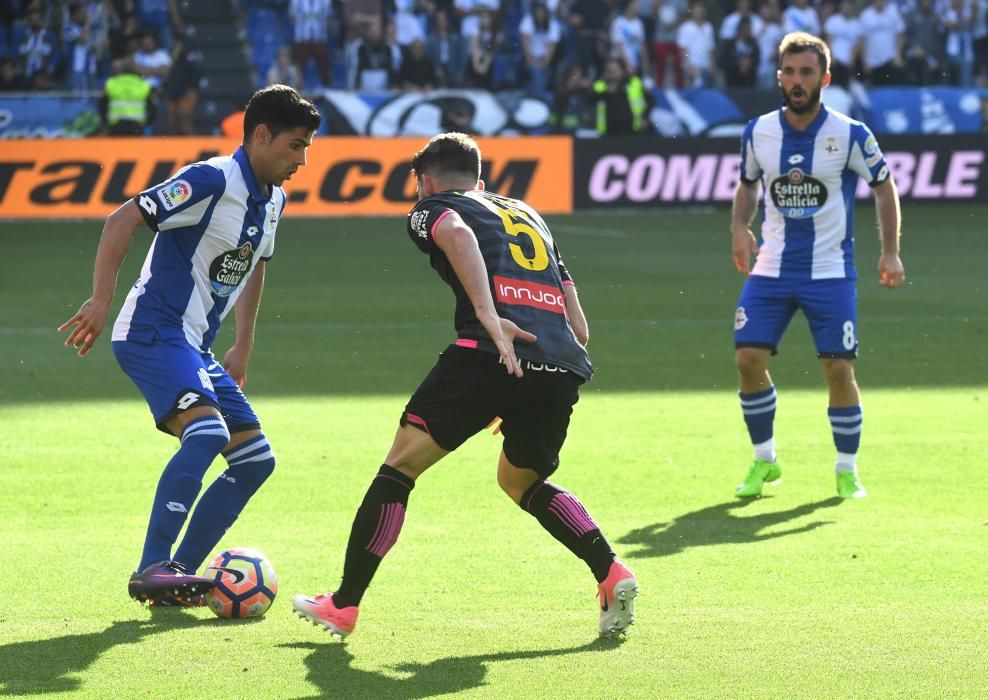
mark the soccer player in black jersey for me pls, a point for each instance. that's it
(519, 355)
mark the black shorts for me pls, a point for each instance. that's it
(468, 389)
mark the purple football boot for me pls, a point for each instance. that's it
(166, 584)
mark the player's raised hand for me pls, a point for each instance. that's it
(743, 247)
(891, 273)
(85, 326)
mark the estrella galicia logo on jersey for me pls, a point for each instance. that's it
(525, 293)
(228, 270)
(417, 222)
(174, 194)
(797, 195)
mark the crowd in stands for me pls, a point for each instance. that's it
(538, 45)
(79, 45)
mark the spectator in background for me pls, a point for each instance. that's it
(10, 78)
(77, 38)
(125, 38)
(981, 42)
(843, 33)
(409, 19)
(374, 69)
(480, 59)
(622, 102)
(958, 21)
(470, 14)
(36, 51)
(161, 17)
(182, 89)
(152, 62)
(628, 40)
(589, 22)
(697, 43)
(924, 45)
(397, 52)
(540, 35)
(800, 16)
(311, 36)
(572, 110)
(128, 103)
(885, 35)
(447, 52)
(768, 44)
(729, 27)
(417, 71)
(283, 71)
(739, 57)
(668, 58)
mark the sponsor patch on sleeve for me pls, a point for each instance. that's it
(174, 194)
(871, 145)
(417, 221)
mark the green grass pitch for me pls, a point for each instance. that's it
(792, 595)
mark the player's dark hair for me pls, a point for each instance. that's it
(280, 108)
(798, 42)
(448, 154)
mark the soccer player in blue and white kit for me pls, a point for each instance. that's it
(808, 159)
(215, 224)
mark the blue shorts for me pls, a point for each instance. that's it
(767, 305)
(174, 378)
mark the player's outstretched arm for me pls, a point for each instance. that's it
(118, 231)
(891, 273)
(743, 244)
(236, 358)
(459, 244)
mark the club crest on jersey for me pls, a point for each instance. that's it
(797, 195)
(831, 146)
(740, 318)
(417, 222)
(228, 270)
(174, 194)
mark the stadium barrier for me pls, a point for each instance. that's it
(650, 172)
(89, 178)
(51, 179)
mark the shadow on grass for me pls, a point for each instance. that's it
(719, 524)
(331, 669)
(50, 665)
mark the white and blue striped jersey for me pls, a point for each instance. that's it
(213, 225)
(808, 183)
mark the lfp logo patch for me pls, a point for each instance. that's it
(175, 193)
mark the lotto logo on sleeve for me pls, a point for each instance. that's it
(525, 293)
(174, 194)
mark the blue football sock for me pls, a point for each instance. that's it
(248, 465)
(759, 414)
(846, 425)
(202, 439)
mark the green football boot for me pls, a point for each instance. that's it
(849, 485)
(760, 473)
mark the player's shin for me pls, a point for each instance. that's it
(759, 416)
(249, 464)
(565, 518)
(179, 485)
(845, 423)
(375, 530)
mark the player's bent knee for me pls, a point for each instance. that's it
(208, 433)
(839, 371)
(751, 359)
(251, 462)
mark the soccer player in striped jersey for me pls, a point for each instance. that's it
(807, 159)
(215, 224)
(504, 269)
